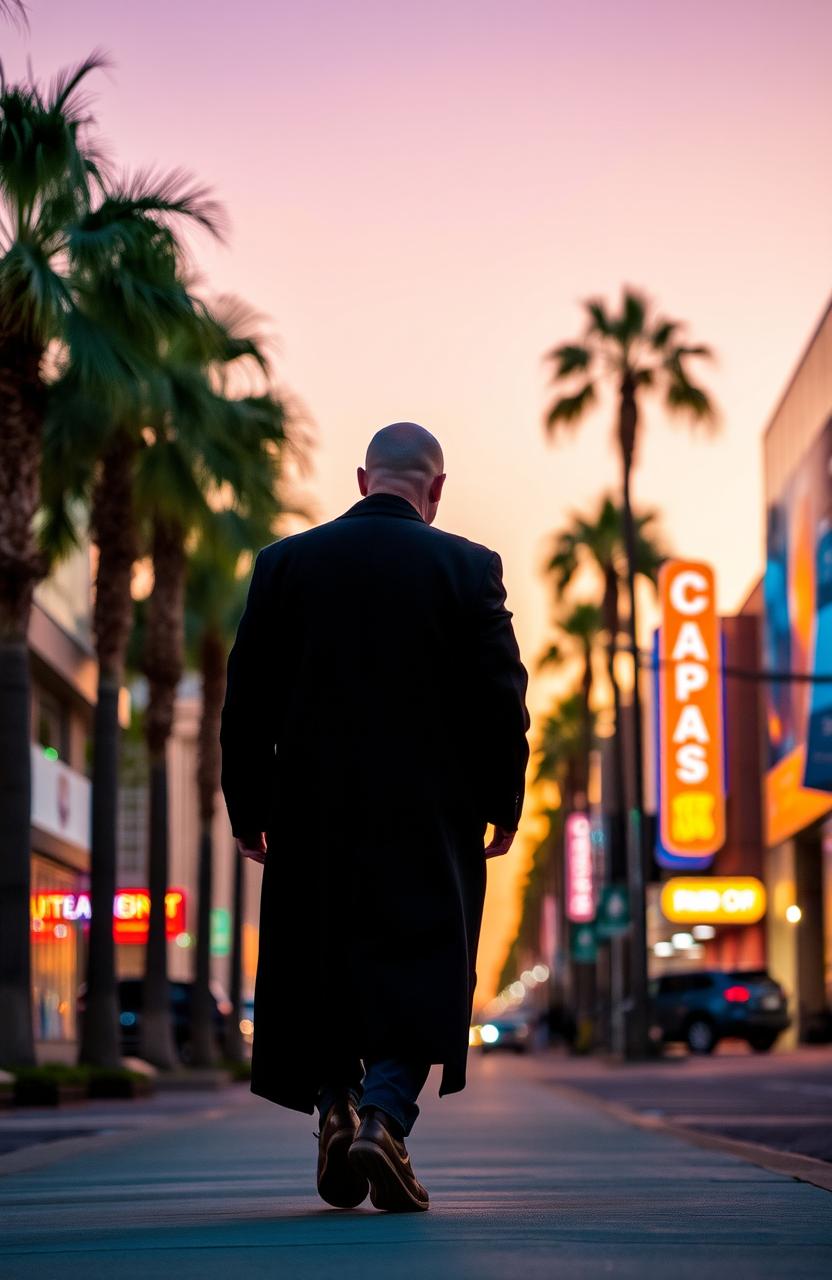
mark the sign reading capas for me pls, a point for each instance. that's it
(691, 746)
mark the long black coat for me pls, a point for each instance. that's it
(374, 723)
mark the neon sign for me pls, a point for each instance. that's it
(691, 744)
(580, 871)
(50, 913)
(713, 900)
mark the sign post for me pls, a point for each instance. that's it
(613, 916)
(583, 944)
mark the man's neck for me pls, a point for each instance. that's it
(388, 490)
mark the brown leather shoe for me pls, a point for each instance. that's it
(384, 1161)
(339, 1183)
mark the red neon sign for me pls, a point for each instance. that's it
(52, 913)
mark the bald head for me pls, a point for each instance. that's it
(405, 448)
(406, 460)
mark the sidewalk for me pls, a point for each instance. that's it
(525, 1181)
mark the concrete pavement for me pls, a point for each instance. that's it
(525, 1182)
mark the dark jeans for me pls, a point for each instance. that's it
(387, 1083)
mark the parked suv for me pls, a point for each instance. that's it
(704, 1007)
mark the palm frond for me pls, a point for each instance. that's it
(63, 90)
(35, 297)
(168, 484)
(630, 324)
(562, 564)
(562, 739)
(551, 657)
(599, 322)
(568, 359)
(107, 368)
(681, 352)
(568, 410)
(583, 622)
(685, 397)
(15, 11)
(171, 194)
(663, 331)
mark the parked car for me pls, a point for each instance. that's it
(704, 1007)
(130, 992)
(512, 1031)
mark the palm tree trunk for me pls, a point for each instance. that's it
(208, 781)
(114, 533)
(163, 664)
(637, 1042)
(234, 1046)
(16, 1037)
(585, 974)
(618, 849)
(586, 689)
(613, 627)
(21, 420)
(157, 1031)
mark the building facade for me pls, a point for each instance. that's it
(183, 850)
(64, 679)
(797, 653)
(63, 674)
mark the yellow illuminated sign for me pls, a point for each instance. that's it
(713, 900)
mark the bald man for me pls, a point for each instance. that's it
(374, 725)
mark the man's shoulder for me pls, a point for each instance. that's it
(464, 548)
(274, 552)
(440, 541)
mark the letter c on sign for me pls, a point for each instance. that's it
(688, 593)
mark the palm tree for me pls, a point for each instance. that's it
(562, 759)
(128, 299)
(215, 595)
(201, 440)
(561, 746)
(47, 166)
(582, 626)
(636, 352)
(214, 598)
(600, 541)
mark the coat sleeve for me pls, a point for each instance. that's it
(247, 731)
(500, 682)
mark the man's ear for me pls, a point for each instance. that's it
(435, 490)
(362, 481)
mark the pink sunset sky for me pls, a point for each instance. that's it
(420, 195)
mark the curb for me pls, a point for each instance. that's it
(787, 1163)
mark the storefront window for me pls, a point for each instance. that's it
(55, 944)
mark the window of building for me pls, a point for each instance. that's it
(55, 953)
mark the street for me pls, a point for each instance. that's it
(525, 1179)
(780, 1100)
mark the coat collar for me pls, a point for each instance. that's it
(384, 504)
